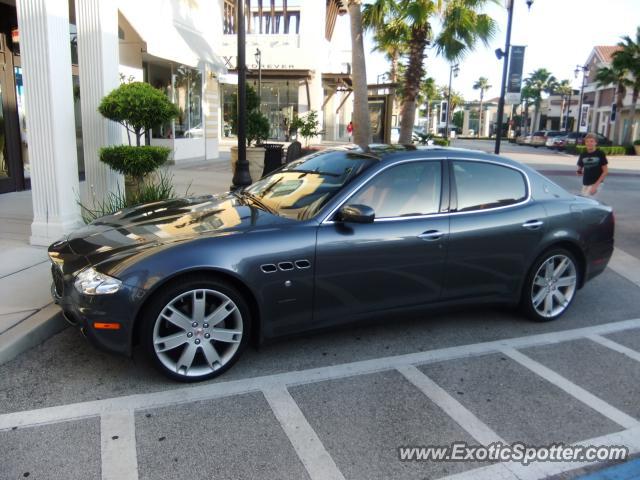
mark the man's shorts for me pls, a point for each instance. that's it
(586, 190)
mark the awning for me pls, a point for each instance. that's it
(169, 38)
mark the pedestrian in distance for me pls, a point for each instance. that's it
(350, 130)
(592, 165)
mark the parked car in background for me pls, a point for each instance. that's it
(539, 138)
(577, 138)
(523, 139)
(557, 142)
(333, 237)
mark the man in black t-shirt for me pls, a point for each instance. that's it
(592, 165)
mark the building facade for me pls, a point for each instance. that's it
(298, 55)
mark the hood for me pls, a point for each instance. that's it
(168, 221)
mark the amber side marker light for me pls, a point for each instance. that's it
(106, 326)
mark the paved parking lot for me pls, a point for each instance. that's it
(339, 404)
(347, 420)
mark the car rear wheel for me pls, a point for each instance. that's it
(551, 285)
(196, 330)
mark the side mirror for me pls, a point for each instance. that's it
(356, 214)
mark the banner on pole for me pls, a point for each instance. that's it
(584, 115)
(514, 80)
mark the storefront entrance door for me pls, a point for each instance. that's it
(11, 173)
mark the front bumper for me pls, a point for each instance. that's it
(84, 311)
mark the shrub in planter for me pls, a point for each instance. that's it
(306, 125)
(615, 150)
(441, 142)
(138, 107)
(257, 123)
(636, 147)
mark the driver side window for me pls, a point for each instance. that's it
(403, 190)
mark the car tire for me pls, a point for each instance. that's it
(551, 285)
(196, 329)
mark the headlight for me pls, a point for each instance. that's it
(91, 282)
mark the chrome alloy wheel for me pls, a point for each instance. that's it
(554, 286)
(198, 332)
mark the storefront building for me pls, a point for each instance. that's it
(298, 55)
(58, 58)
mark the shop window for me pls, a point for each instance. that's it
(159, 76)
(188, 98)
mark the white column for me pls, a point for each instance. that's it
(46, 67)
(465, 121)
(98, 59)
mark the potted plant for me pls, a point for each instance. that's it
(636, 146)
(138, 107)
(257, 131)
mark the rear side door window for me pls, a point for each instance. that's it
(482, 185)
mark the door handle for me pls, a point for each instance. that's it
(533, 224)
(431, 235)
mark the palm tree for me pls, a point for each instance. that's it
(462, 27)
(481, 84)
(390, 34)
(539, 82)
(362, 126)
(527, 96)
(628, 59)
(563, 89)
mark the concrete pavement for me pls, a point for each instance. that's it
(27, 315)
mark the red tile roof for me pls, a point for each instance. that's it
(605, 52)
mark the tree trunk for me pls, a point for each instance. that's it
(361, 122)
(413, 77)
(480, 113)
(536, 122)
(393, 77)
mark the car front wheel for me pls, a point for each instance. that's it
(551, 285)
(197, 329)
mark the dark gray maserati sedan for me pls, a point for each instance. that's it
(334, 237)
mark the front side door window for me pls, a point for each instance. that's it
(403, 190)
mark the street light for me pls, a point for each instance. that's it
(506, 54)
(258, 56)
(584, 69)
(453, 71)
(241, 176)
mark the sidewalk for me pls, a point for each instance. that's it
(27, 314)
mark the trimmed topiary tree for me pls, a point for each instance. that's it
(138, 107)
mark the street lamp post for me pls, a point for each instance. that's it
(584, 69)
(453, 71)
(258, 57)
(241, 177)
(506, 55)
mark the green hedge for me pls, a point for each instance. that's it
(615, 150)
(134, 161)
(441, 142)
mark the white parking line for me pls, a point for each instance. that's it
(118, 440)
(305, 441)
(597, 404)
(463, 417)
(615, 346)
(215, 390)
(625, 265)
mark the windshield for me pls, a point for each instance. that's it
(301, 188)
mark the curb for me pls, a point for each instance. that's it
(31, 332)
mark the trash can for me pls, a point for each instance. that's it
(272, 157)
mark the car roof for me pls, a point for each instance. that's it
(388, 153)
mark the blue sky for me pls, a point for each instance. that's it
(558, 34)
